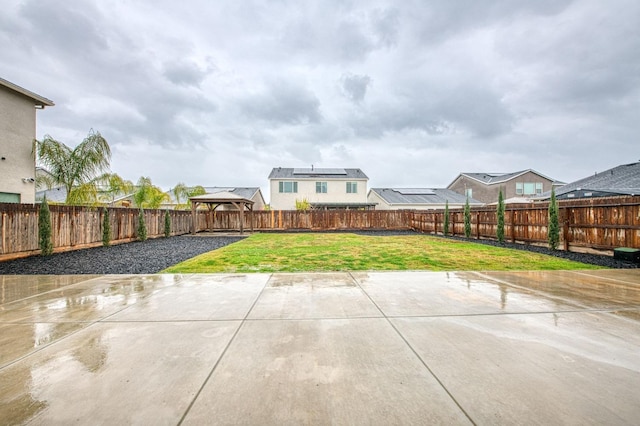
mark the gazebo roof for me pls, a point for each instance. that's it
(220, 198)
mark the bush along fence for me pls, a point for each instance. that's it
(602, 223)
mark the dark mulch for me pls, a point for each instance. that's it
(140, 257)
(152, 256)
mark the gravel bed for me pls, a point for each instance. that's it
(140, 257)
(152, 256)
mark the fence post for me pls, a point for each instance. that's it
(513, 226)
(477, 226)
(565, 227)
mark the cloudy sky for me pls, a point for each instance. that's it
(413, 92)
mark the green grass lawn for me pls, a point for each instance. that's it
(310, 252)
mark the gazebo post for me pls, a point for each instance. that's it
(194, 217)
(250, 216)
(240, 206)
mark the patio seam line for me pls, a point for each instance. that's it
(89, 324)
(422, 361)
(126, 276)
(535, 291)
(52, 290)
(223, 353)
(604, 278)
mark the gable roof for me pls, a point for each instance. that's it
(620, 180)
(316, 173)
(496, 178)
(422, 196)
(40, 101)
(243, 192)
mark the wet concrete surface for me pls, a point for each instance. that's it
(558, 347)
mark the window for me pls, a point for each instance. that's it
(288, 187)
(468, 192)
(8, 197)
(321, 187)
(352, 187)
(528, 188)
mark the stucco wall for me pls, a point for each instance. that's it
(17, 131)
(336, 193)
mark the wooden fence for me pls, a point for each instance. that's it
(602, 223)
(599, 223)
(74, 227)
(316, 220)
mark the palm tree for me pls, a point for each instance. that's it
(182, 193)
(147, 195)
(75, 169)
(112, 185)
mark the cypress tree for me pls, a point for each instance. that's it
(445, 230)
(467, 219)
(44, 229)
(500, 212)
(553, 230)
(106, 228)
(167, 224)
(142, 227)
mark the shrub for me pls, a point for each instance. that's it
(303, 205)
(142, 226)
(467, 219)
(44, 229)
(106, 228)
(167, 224)
(553, 230)
(445, 228)
(500, 228)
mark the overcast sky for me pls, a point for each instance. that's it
(413, 92)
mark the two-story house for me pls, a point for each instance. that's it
(322, 188)
(17, 131)
(485, 187)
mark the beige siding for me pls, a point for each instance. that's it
(17, 131)
(336, 192)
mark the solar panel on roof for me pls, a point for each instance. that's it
(319, 172)
(415, 191)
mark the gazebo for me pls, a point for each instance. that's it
(215, 200)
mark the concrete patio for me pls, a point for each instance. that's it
(335, 348)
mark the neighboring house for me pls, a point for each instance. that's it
(17, 132)
(485, 187)
(250, 193)
(56, 195)
(418, 198)
(621, 180)
(321, 188)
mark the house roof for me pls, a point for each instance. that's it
(396, 196)
(316, 173)
(620, 180)
(54, 195)
(243, 192)
(496, 178)
(38, 100)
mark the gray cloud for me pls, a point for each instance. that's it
(355, 86)
(283, 103)
(503, 81)
(185, 73)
